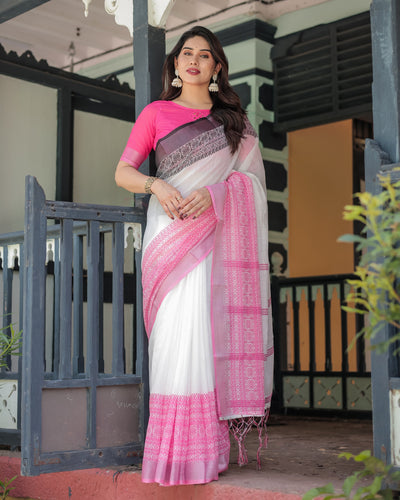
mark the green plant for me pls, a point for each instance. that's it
(375, 290)
(374, 293)
(374, 469)
(10, 343)
(5, 488)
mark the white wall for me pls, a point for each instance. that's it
(28, 131)
(98, 144)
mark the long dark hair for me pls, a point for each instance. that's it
(226, 108)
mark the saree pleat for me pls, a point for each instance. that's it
(185, 443)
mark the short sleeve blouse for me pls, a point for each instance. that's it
(157, 119)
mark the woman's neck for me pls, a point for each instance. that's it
(194, 97)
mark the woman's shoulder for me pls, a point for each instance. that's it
(160, 104)
(152, 110)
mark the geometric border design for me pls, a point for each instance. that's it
(296, 392)
(328, 393)
(359, 395)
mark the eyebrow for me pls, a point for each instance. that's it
(190, 48)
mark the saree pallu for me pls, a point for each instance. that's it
(206, 307)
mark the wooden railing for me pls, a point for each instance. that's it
(314, 371)
(84, 366)
(314, 368)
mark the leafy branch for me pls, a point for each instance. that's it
(10, 343)
(374, 469)
(375, 290)
(5, 488)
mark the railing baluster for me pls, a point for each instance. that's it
(343, 321)
(56, 318)
(360, 346)
(118, 299)
(280, 340)
(20, 325)
(327, 324)
(78, 361)
(65, 299)
(101, 303)
(136, 298)
(142, 357)
(93, 261)
(311, 326)
(7, 303)
(296, 329)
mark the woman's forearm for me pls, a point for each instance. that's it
(134, 181)
(129, 178)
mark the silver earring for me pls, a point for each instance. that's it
(213, 87)
(176, 82)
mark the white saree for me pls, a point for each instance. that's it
(206, 306)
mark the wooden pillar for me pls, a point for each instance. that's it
(65, 148)
(383, 154)
(385, 18)
(148, 55)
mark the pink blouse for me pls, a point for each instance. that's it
(157, 119)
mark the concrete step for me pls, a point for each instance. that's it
(302, 453)
(114, 484)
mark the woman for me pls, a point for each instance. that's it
(205, 271)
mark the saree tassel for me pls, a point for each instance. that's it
(262, 437)
(240, 427)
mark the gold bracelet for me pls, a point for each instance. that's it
(148, 184)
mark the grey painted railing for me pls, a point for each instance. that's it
(84, 364)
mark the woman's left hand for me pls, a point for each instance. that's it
(195, 204)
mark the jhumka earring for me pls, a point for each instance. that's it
(176, 82)
(213, 87)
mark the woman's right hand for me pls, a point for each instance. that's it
(168, 196)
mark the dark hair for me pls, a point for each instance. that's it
(226, 108)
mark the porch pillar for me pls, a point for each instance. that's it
(148, 56)
(385, 17)
(382, 154)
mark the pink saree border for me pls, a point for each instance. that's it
(170, 256)
(236, 308)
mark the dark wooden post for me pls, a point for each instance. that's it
(149, 55)
(65, 135)
(384, 150)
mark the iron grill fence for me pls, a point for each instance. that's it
(316, 369)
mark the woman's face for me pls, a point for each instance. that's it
(195, 62)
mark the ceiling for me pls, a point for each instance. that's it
(49, 30)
